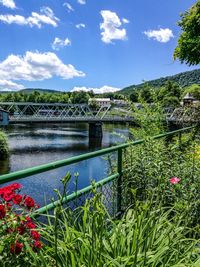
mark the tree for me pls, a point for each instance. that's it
(194, 90)
(134, 96)
(188, 49)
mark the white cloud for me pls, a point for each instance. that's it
(82, 2)
(101, 90)
(36, 66)
(10, 86)
(111, 27)
(80, 25)
(8, 3)
(68, 6)
(58, 43)
(46, 16)
(161, 35)
(125, 21)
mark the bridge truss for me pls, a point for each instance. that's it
(53, 111)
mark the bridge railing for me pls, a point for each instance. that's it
(114, 179)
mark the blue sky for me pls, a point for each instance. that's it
(88, 44)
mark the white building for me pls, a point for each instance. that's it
(100, 101)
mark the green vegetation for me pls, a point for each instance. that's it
(159, 225)
(3, 146)
(188, 49)
(182, 79)
(46, 97)
(168, 96)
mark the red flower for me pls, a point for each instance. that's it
(16, 248)
(29, 202)
(2, 211)
(37, 245)
(174, 180)
(30, 225)
(21, 229)
(15, 186)
(9, 230)
(35, 235)
(17, 199)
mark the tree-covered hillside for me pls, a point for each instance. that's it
(183, 79)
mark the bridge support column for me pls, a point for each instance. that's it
(95, 130)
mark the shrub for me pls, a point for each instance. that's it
(3, 146)
(19, 234)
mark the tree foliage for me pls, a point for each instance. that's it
(194, 90)
(183, 79)
(188, 49)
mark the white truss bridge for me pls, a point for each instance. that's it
(58, 112)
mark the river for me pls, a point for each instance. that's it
(39, 144)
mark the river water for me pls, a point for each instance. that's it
(39, 144)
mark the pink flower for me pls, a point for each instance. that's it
(174, 180)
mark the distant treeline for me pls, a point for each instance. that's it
(43, 96)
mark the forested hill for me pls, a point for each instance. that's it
(183, 79)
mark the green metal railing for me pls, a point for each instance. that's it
(57, 164)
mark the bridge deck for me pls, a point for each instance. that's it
(70, 119)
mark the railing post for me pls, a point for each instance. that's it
(119, 181)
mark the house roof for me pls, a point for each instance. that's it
(188, 96)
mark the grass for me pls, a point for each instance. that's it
(160, 222)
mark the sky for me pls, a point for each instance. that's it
(100, 45)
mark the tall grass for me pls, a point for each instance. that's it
(159, 226)
(144, 236)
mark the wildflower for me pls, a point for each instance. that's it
(17, 199)
(21, 229)
(29, 202)
(15, 186)
(37, 245)
(174, 180)
(30, 225)
(2, 211)
(16, 248)
(35, 235)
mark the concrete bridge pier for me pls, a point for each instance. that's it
(95, 130)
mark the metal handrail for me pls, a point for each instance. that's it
(57, 164)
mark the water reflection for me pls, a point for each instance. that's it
(39, 144)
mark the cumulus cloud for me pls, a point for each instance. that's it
(101, 90)
(161, 35)
(10, 86)
(80, 25)
(82, 2)
(111, 27)
(8, 3)
(68, 6)
(58, 43)
(35, 66)
(46, 16)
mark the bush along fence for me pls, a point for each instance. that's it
(116, 187)
(3, 146)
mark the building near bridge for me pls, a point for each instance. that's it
(189, 100)
(100, 101)
(4, 117)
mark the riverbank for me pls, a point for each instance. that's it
(4, 151)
